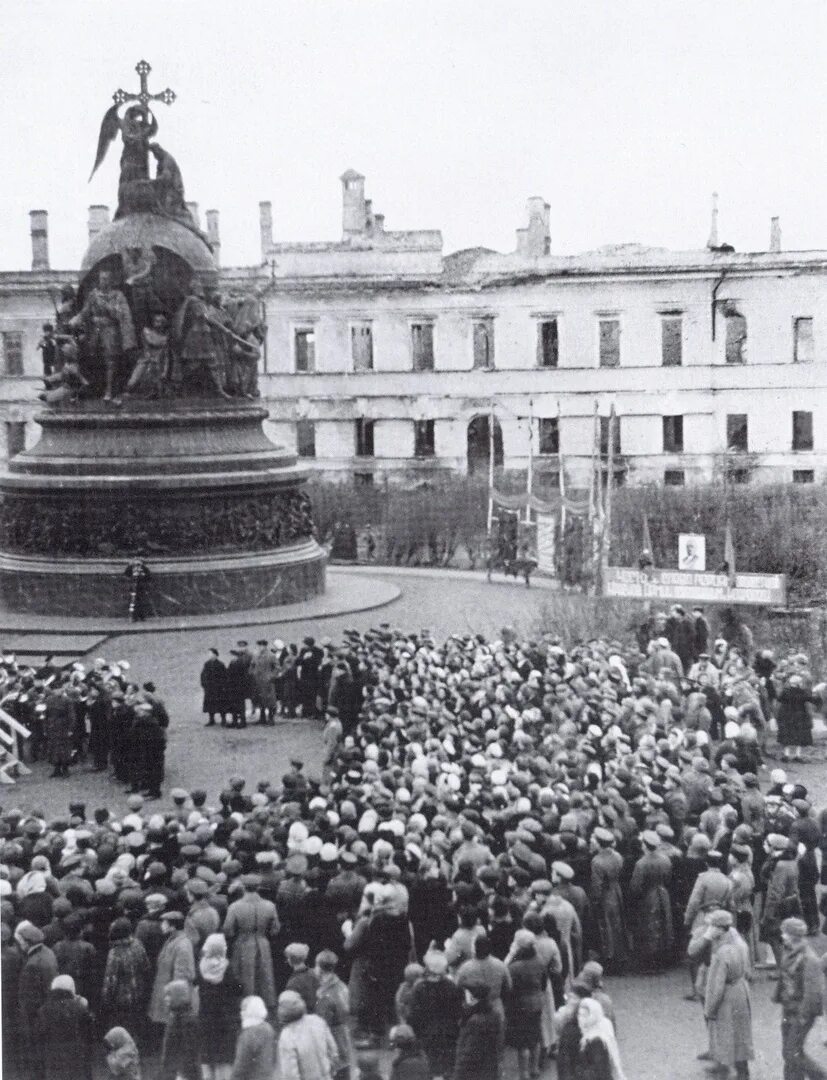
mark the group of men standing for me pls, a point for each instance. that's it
(274, 680)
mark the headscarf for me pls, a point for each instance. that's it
(63, 982)
(595, 1025)
(122, 1059)
(213, 962)
(32, 882)
(253, 1011)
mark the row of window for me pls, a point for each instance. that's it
(548, 442)
(548, 342)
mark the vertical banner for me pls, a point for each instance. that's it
(546, 548)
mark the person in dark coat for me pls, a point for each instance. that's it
(480, 1038)
(11, 961)
(255, 1052)
(148, 751)
(236, 686)
(524, 1004)
(99, 709)
(434, 1014)
(302, 979)
(410, 1062)
(126, 980)
(59, 726)
(120, 742)
(214, 685)
(310, 660)
(598, 1057)
(795, 724)
(64, 1032)
(78, 958)
(180, 1055)
(219, 994)
(37, 972)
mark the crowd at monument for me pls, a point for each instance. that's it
(498, 825)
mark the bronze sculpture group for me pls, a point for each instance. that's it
(143, 326)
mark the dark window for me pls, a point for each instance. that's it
(804, 342)
(364, 437)
(15, 437)
(739, 476)
(549, 435)
(361, 347)
(12, 352)
(305, 345)
(548, 343)
(736, 339)
(604, 435)
(671, 341)
(673, 434)
(422, 346)
(737, 432)
(305, 438)
(424, 438)
(484, 343)
(363, 479)
(674, 478)
(609, 342)
(802, 431)
(804, 476)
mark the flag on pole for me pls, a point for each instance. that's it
(729, 555)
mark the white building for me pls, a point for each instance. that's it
(385, 358)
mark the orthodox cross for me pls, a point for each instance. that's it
(144, 96)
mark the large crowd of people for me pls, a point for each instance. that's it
(497, 826)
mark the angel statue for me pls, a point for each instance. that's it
(138, 128)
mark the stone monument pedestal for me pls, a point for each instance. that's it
(194, 488)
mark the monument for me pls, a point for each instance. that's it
(153, 478)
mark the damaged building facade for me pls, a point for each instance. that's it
(387, 359)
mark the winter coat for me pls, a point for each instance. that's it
(478, 1045)
(795, 725)
(608, 904)
(59, 726)
(214, 685)
(525, 1002)
(249, 927)
(727, 1002)
(781, 897)
(79, 959)
(649, 889)
(218, 1018)
(255, 1053)
(123, 1060)
(64, 1033)
(175, 961)
(307, 1048)
(180, 1054)
(593, 1062)
(410, 1064)
(333, 1006)
(712, 889)
(36, 975)
(435, 1013)
(126, 982)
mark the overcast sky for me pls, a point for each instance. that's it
(624, 115)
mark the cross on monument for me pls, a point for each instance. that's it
(144, 96)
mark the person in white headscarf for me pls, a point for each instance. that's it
(255, 1052)
(599, 1055)
(219, 994)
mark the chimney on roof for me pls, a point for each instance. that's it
(39, 229)
(213, 235)
(265, 223)
(378, 222)
(535, 240)
(712, 242)
(194, 214)
(98, 219)
(354, 208)
(775, 234)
